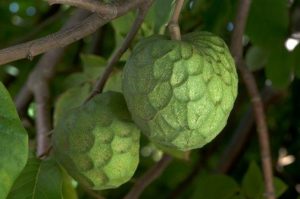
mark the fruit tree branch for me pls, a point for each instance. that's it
(262, 129)
(43, 119)
(236, 46)
(242, 133)
(142, 11)
(173, 24)
(64, 37)
(152, 174)
(38, 85)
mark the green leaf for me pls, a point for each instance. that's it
(75, 79)
(71, 98)
(280, 187)
(92, 65)
(7, 107)
(114, 83)
(216, 187)
(122, 26)
(279, 67)
(256, 58)
(68, 190)
(216, 14)
(159, 15)
(267, 29)
(13, 143)
(253, 184)
(39, 180)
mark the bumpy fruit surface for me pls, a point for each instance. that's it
(180, 93)
(97, 143)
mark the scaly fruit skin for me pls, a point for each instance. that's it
(97, 143)
(180, 93)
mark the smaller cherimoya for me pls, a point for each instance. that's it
(97, 142)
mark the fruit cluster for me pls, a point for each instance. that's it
(178, 93)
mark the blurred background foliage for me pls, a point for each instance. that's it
(271, 52)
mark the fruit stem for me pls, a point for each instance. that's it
(174, 28)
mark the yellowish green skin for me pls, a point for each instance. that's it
(97, 143)
(180, 93)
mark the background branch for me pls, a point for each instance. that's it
(243, 132)
(64, 37)
(237, 52)
(38, 84)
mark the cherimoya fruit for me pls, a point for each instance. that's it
(180, 93)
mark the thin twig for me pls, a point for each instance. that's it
(262, 129)
(106, 10)
(242, 133)
(120, 51)
(173, 24)
(236, 45)
(64, 37)
(152, 174)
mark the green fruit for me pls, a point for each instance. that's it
(97, 143)
(180, 93)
